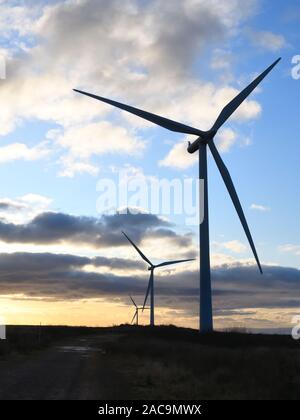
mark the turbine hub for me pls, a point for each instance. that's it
(204, 138)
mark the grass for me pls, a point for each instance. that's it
(25, 339)
(171, 363)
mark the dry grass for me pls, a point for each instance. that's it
(24, 339)
(173, 363)
(158, 368)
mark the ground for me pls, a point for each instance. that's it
(144, 363)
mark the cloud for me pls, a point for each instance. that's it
(268, 40)
(226, 139)
(64, 277)
(259, 207)
(71, 167)
(58, 228)
(10, 205)
(234, 246)
(135, 55)
(36, 200)
(178, 157)
(58, 277)
(19, 151)
(24, 208)
(290, 248)
(95, 139)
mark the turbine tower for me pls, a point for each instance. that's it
(151, 268)
(205, 138)
(136, 313)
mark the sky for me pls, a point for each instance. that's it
(63, 259)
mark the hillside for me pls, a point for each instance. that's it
(160, 363)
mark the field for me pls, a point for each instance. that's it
(160, 363)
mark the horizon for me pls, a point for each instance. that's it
(237, 330)
(70, 165)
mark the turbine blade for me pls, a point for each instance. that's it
(234, 197)
(172, 262)
(135, 315)
(148, 289)
(138, 250)
(155, 119)
(237, 101)
(133, 301)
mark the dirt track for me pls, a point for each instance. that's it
(76, 369)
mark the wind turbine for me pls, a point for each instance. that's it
(205, 138)
(151, 268)
(137, 309)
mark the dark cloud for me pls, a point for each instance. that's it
(7, 206)
(106, 231)
(61, 277)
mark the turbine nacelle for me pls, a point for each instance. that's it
(204, 138)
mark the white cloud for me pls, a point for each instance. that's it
(226, 139)
(20, 151)
(259, 207)
(134, 55)
(290, 248)
(72, 167)
(250, 109)
(22, 209)
(179, 158)
(233, 246)
(36, 199)
(95, 139)
(268, 40)
(99, 138)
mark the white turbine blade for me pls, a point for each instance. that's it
(172, 262)
(133, 301)
(138, 250)
(155, 119)
(148, 289)
(234, 197)
(240, 98)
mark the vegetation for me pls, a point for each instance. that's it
(173, 363)
(24, 339)
(176, 363)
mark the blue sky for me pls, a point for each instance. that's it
(185, 64)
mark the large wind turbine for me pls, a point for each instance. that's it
(205, 138)
(151, 268)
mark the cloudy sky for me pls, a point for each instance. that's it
(63, 260)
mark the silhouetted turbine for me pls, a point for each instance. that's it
(151, 268)
(200, 144)
(136, 313)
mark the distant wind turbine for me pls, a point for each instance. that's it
(136, 313)
(151, 268)
(205, 138)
